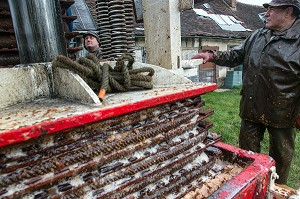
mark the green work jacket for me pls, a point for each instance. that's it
(271, 76)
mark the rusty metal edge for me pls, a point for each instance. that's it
(43, 128)
(252, 182)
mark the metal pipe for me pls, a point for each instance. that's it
(39, 30)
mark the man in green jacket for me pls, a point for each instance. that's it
(271, 82)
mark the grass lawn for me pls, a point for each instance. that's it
(226, 122)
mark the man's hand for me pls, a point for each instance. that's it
(205, 56)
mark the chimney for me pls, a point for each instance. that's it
(232, 4)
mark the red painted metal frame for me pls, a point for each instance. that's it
(252, 182)
(29, 132)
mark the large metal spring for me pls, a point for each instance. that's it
(115, 20)
(104, 25)
(129, 21)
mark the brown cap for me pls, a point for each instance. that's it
(294, 3)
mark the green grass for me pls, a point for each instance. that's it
(226, 122)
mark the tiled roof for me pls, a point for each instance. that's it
(249, 15)
(195, 25)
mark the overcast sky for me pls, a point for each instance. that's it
(255, 2)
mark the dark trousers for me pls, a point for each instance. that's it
(281, 149)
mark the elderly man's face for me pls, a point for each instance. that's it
(276, 17)
(91, 43)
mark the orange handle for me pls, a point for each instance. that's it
(101, 94)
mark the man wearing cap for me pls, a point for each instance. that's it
(270, 95)
(92, 44)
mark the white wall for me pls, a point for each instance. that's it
(222, 43)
